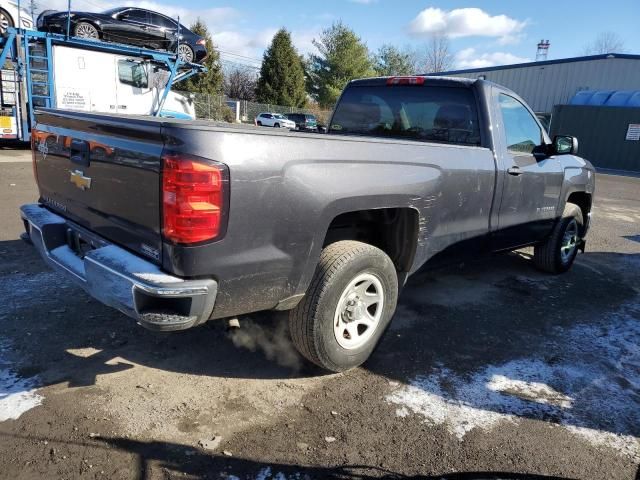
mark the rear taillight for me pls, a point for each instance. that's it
(202, 42)
(194, 199)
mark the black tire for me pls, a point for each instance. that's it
(186, 55)
(5, 21)
(276, 125)
(259, 124)
(311, 323)
(548, 256)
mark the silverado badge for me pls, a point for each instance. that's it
(80, 181)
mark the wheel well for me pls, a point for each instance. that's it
(392, 230)
(582, 200)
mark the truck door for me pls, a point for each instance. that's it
(532, 179)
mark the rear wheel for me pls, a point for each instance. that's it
(559, 252)
(347, 308)
(259, 123)
(86, 30)
(185, 53)
(276, 125)
(5, 21)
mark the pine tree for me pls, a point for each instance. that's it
(342, 56)
(211, 81)
(390, 60)
(281, 80)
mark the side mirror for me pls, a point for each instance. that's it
(563, 144)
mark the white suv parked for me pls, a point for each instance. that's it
(276, 120)
(9, 16)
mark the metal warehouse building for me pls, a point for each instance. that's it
(551, 82)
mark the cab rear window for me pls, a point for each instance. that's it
(425, 113)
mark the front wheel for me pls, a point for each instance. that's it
(276, 125)
(559, 252)
(347, 308)
(86, 30)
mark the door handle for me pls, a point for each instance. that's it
(514, 171)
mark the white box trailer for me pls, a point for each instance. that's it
(105, 82)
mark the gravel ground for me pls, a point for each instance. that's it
(490, 370)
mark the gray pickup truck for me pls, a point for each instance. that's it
(175, 223)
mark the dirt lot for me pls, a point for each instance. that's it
(489, 367)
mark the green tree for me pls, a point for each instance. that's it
(390, 60)
(342, 56)
(211, 81)
(281, 80)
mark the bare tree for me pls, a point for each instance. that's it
(434, 56)
(606, 42)
(240, 83)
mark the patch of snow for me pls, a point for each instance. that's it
(533, 391)
(17, 395)
(590, 388)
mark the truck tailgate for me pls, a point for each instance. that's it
(102, 173)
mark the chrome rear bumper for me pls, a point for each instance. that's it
(120, 279)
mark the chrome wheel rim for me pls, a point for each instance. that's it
(84, 30)
(569, 241)
(4, 22)
(185, 53)
(359, 311)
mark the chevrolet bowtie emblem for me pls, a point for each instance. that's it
(79, 180)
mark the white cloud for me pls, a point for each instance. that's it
(470, 58)
(303, 40)
(245, 44)
(465, 22)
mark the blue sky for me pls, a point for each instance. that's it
(481, 33)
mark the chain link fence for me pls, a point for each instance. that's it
(224, 109)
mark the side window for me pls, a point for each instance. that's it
(162, 22)
(132, 73)
(134, 15)
(522, 131)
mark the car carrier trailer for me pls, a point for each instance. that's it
(28, 75)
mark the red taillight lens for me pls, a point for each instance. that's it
(202, 42)
(193, 199)
(405, 81)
